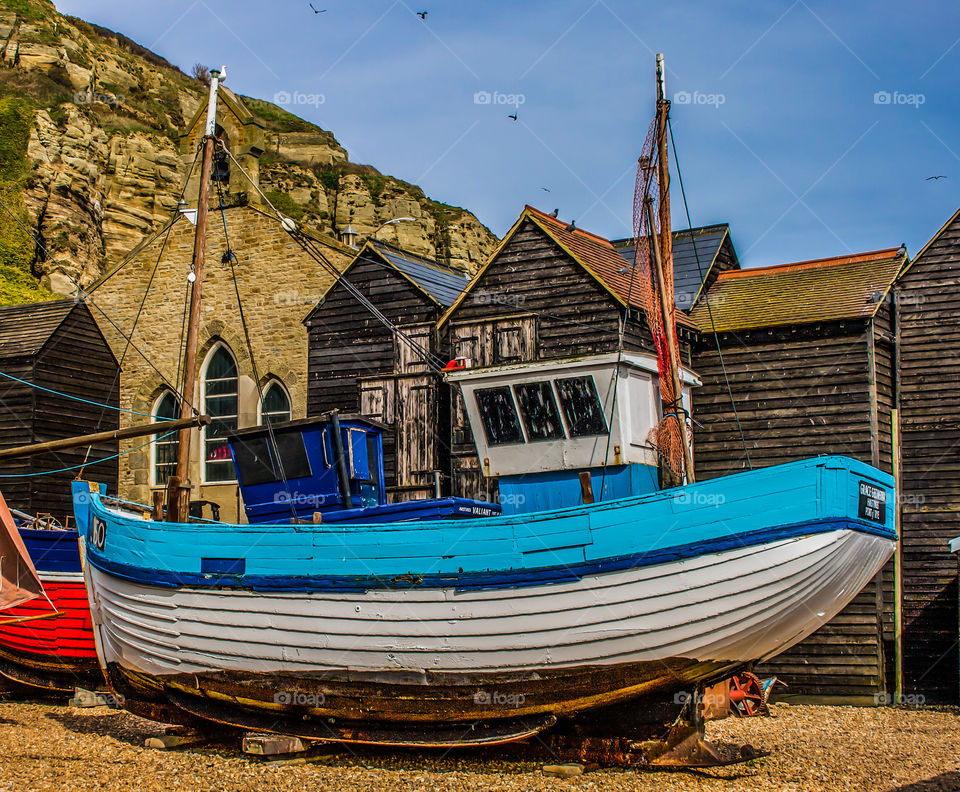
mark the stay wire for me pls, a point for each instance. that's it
(713, 327)
(143, 301)
(309, 246)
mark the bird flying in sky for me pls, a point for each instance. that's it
(934, 178)
(513, 116)
(422, 14)
(318, 11)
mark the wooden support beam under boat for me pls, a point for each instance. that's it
(159, 427)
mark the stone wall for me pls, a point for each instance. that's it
(279, 285)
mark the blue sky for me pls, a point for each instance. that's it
(809, 126)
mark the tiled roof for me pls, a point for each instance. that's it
(694, 252)
(596, 254)
(24, 329)
(441, 283)
(832, 289)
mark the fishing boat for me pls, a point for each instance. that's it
(612, 582)
(47, 644)
(36, 615)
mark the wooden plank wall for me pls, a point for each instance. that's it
(800, 393)
(356, 365)
(75, 360)
(16, 428)
(347, 343)
(532, 287)
(928, 300)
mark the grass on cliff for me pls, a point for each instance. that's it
(17, 284)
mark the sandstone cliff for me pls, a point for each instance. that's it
(91, 160)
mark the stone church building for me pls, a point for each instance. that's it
(278, 285)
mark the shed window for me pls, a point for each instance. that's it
(538, 407)
(581, 406)
(276, 404)
(499, 415)
(166, 445)
(220, 403)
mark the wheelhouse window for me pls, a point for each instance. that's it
(581, 406)
(220, 403)
(499, 415)
(275, 407)
(166, 445)
(261, 461)
(538, 408)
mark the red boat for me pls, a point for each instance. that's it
(56, 653)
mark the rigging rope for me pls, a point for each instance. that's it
(78, 398)
(82, 465)
(143, 300)
(713, 327)
(309, 246)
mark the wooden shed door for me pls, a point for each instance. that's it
(514, 340)
(489, 343)
(409, 359)
(417, 435)
(378, 399)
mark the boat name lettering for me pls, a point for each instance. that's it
(873, 503)
(99, 533)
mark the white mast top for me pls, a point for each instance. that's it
(661, 78)
(216, 77)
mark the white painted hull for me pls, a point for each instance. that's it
(720, 610)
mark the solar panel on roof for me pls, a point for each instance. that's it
(443, 284)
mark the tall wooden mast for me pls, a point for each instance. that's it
(662, 245)
(178, 486)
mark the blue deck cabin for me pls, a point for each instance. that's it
(327, 469)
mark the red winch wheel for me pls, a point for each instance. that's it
(746, 695)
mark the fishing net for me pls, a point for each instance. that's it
(667, 436)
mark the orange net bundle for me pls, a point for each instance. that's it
(667, 436)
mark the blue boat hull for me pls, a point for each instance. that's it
(533, 616)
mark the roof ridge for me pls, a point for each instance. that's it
(812, 264)
(696, 230)
(581, 231)
(421, 259)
